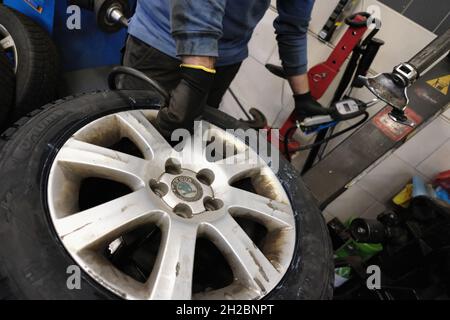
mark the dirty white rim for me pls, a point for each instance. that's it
(83, 233)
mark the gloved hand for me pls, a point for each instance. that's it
(187, 100)
(306, 106)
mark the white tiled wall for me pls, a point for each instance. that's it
(425, 154)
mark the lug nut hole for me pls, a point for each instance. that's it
(206, 176)
(159, 188)
(173, 166)
(212, 204)
(183, 210)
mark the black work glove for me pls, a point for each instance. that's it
(306, 106)
(187, 101)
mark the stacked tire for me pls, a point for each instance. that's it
(7, 87)
(32, 56)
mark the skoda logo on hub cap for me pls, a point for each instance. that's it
(187, 189)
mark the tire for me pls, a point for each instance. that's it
(33, 260)
(7, 87)
(37, 65)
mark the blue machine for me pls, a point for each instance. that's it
(88, 47)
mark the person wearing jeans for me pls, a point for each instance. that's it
(194, 49)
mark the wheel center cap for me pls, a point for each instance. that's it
(186, 188)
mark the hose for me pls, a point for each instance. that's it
(112, 83)
(309, 146)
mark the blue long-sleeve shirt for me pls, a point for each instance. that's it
(222, 28)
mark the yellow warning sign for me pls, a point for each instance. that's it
(441, 84)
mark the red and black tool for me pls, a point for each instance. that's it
(322, 75)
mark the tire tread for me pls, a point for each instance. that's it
(39, 86)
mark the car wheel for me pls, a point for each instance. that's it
(34, 59)
(7, 84)
(89, 182)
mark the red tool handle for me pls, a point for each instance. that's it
(322, 75)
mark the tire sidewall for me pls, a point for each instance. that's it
(18, 32)
(31, 255)
(34, 259)
(38, 62)
(7, 88)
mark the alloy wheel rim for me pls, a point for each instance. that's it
(208, 207)
(8, 45)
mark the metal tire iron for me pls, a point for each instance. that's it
(111, 15)
(392, 87)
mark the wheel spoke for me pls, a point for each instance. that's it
(137, 127)
(98, 225)
(171, 277)
(95, 161)
(249, 264)
(238, 166)
(120, 283)
(7, 43)
(271, 213)
(194, 151)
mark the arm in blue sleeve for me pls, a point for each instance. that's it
(291, 27)
(197, 26)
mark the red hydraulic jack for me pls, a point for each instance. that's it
(322, 75)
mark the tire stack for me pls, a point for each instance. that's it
(7, 87)
(33, 57)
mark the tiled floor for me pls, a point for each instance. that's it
(258, 88)
(425, 154)
(352, 203)
(437, 162)
(425, 142)
(389, 177)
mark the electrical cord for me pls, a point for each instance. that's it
(120, 70)
(309, 146)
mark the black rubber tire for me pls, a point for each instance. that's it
(7, 88)
(33, 262)
(38, 63)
